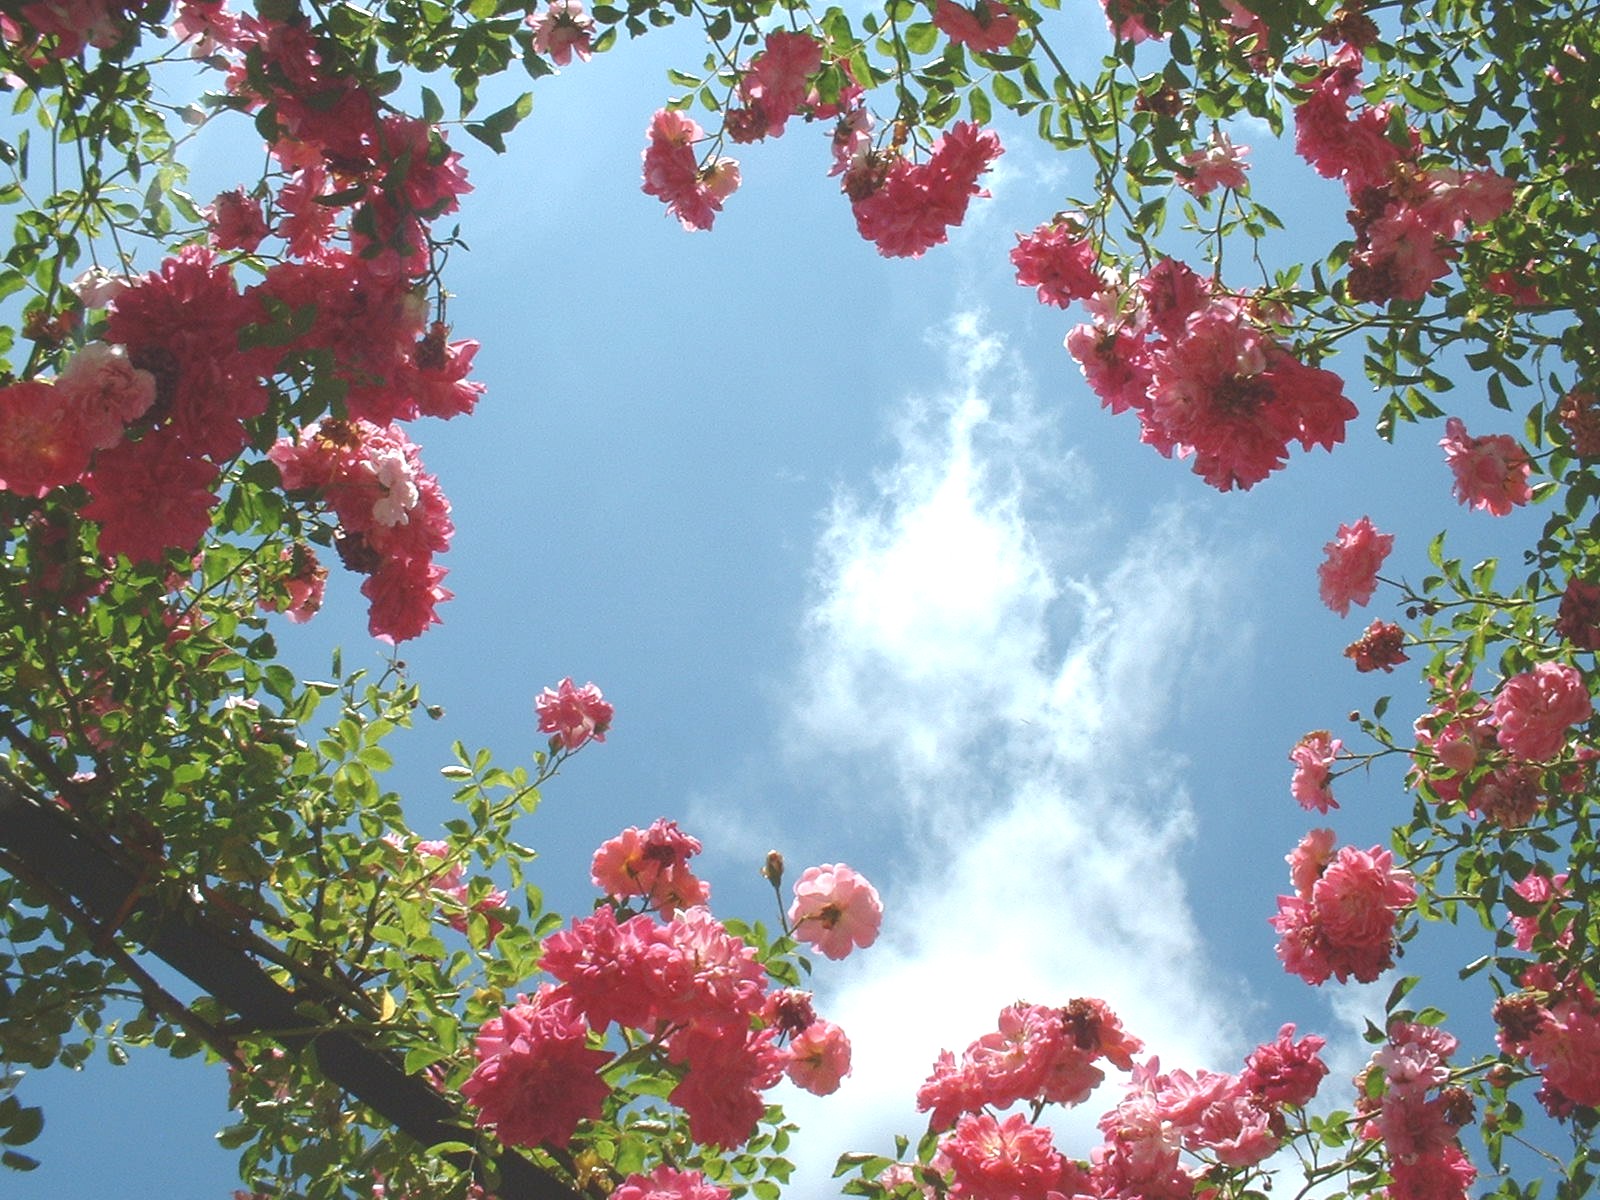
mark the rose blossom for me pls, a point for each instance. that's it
(1309, 859)
(775, 85)
(1217, 164)
(1579, 414)
(653, 863)
(562, 30)
(1578, 619)
(1545, 894)
(1285, 1071)
(1349, 574)
(105, 393)
(835, 910)
(906, 209)
(819, 1057)
(236, 221)
(536, 1077)
(1533, 711)
(1345, 925)
(991, 1159)
(573, 715)
(987, 26)
(1381, 647)
(1491, 472)
(1313, 756)
(667, 1183)
(1061, 263)
(692, 193)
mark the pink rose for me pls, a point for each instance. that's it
(819, 1057)
(537, 1076)
(835, 910)
(573, 715)
(1218, 164)
(562, 30)
(1011, 1158)
(1491, 472)
(1313, 757)
(1285, 1071)
(667, 1183)
(653, 863)
(1349, 575)
(1534, 710)
(988, 26)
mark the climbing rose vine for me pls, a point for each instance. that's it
(204, 402)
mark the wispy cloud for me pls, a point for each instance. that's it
(1004, 714)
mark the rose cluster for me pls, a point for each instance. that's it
(1410, 1105)
(1407, 217)
(1041, 1055)
(1199, 368)
(1341, 921)
(393, 517)
(149, 418)
(676, 975)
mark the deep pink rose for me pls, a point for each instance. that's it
(573, 715)
(536, 1077)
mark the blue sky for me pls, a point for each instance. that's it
(870, 578)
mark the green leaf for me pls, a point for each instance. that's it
(920, 37)
(24, 1127)
(432, 108)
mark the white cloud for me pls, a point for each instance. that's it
(1007, 717)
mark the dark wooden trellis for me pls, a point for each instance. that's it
(186, 938)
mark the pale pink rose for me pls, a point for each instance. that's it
(97, 287)
(207, 25)
(819, 1057)
(573, 715)
(835, 910)
(1491, 472)
(1534, 710)
(1218, 164)
(1349, 574)
(105, 392)
(1313, 757)
(562, 30)
(1235, 1128)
